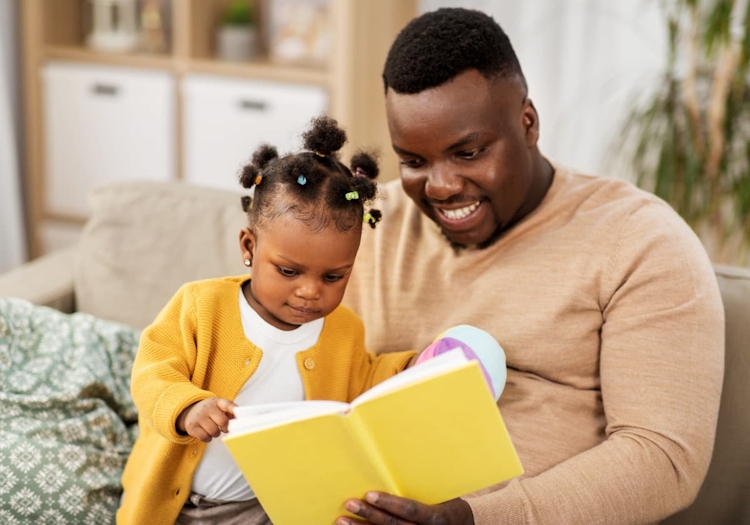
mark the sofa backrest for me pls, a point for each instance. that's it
(725, 494)
(144, 240)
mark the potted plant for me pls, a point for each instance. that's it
(690, 143)
(236, 38)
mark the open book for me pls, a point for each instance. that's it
(430, 433)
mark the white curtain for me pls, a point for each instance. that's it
(585, 62)
(12, 243)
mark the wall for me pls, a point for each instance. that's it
(12, 243)
(585, 61)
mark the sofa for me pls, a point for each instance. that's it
(145, 239)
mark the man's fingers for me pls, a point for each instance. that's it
(375, 515)
(410, 510)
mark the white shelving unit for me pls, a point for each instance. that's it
(93, 117)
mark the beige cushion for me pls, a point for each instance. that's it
(144, 240)
(725, 494)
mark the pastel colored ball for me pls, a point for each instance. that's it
(477, 345)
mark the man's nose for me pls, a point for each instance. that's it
(442, 183)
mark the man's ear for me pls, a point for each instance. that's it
(530, 123)
(247, 245)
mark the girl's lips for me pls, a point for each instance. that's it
(304, 311)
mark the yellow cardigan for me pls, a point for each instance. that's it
(196, 349)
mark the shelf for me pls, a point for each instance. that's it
(260, 70)
(361, 32)
(82, 54)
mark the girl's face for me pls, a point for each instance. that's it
(299, 275)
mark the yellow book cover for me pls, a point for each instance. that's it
(431, 433)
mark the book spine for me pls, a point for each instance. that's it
(371, 450)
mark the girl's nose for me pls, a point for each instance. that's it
(309, 290)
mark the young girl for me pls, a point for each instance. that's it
(278, 335)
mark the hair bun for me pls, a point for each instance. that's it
(247, 175)
(365, 163)
(264, 155)
(324, 136)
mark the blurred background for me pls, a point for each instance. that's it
(96, 91)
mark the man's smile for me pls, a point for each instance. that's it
(458, 213)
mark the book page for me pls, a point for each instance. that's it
(441, 437)
(256, 417)
(437, 365)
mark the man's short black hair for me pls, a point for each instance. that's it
(439, 45)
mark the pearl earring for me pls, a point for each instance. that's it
(247, 262)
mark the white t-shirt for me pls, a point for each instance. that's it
(277, 379)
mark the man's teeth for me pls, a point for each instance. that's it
(460, 213)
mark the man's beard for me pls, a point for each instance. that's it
(458, 247)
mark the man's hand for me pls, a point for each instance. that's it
(384, 509)
(206, 419)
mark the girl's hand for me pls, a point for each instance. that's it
(206, 419)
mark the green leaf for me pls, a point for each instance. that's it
(238, 13)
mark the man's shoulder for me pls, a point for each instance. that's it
(638, 221)
(609, 195)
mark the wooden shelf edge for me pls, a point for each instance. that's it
(255, 70)
(259, 70)
(81, 54)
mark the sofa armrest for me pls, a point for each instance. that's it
(46, 281)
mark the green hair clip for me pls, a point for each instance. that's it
(352, 195)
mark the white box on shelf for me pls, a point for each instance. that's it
(102, 125)
(225, 120)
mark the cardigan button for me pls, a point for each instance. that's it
(309, 363)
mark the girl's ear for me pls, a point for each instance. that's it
(247, 245)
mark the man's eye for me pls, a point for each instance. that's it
(468, 155)
(411, 163)
(333, 278)
(286, 272)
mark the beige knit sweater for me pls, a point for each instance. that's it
(610, 316)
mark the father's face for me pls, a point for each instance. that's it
(466, 154)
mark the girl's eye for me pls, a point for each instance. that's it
(286, 272)
(333, 278)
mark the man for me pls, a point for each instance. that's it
(603, 299)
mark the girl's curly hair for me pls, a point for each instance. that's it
(313, 184)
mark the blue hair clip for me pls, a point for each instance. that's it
(301, 180)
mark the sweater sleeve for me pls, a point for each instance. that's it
(160, 380)
(661, 368)
(368, 369)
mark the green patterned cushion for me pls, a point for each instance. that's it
(67, 421)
